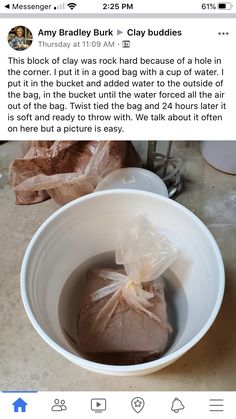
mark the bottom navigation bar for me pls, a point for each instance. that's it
(79, 404)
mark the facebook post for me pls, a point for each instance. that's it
(117, 203)
(119, 78)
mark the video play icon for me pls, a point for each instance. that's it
(98, 405)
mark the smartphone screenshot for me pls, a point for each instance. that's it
(117, 209)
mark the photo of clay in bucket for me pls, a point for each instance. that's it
(122, 282)
(123, 317)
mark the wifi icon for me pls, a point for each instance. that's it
(71, 5)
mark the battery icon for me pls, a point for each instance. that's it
(225, 6)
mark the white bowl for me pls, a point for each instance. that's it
(89, 226)
(133, 178)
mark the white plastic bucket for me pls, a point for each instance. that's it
(89, 226)
(220, 154)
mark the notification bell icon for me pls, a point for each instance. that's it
(177, 405)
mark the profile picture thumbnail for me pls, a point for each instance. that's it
(20, 38)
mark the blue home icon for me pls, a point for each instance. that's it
(19, 405)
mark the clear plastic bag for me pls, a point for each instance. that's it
(25, 167)
(135, 294)
(68, 169)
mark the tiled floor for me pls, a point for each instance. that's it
(26, 362)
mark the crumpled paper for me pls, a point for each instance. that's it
(66, 170)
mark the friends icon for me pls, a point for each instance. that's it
(59, 406)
